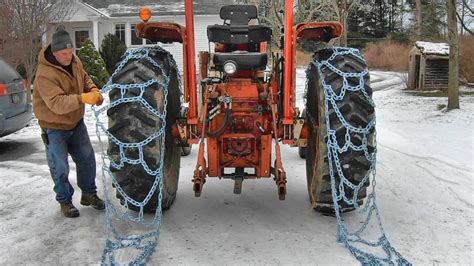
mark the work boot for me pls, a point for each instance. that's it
(93, 201)
(69, 210)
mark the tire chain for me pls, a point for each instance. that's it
(145, 244)
(338, 194)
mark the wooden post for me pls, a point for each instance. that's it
(453, 83)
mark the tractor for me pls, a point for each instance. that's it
(239, 108)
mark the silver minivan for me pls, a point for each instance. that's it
(15, 107)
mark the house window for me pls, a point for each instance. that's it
(135, 39)
(81, 36)
(120, 31)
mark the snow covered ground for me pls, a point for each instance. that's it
(424, 190)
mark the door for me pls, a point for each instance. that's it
(417, 71)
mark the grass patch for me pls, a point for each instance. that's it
(387, 55)
(303, 58)
(466, 58)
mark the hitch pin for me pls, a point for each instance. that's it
(260, 127)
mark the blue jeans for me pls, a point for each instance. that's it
(75, 142)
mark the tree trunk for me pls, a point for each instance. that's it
(462, 17)
(344, 24)
(418, 19)
(343, 17)
(453, 84)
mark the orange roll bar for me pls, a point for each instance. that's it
(288, 67)
(191, 63)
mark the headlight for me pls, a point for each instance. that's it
(230, 67)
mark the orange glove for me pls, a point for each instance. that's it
(91, 98)
(101, 100)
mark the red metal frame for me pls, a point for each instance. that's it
(288, 114)
(238, 136)
(191, 63)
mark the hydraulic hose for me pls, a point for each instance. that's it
(221, 130)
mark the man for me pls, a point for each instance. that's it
(61, 90)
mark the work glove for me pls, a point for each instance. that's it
(91, 98)
(101, 100)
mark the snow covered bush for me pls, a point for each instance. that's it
(93, 63)
(112, 49)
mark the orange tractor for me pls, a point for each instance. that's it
(238, 109)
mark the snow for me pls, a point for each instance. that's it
(169, 8)
(424, 191)
(118, 9)
(433, 48)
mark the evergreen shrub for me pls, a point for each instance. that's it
(93, 63)
(112, 49)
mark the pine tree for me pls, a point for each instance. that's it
(111, 50)
(430, 16)
(93, 63)
(374, 19)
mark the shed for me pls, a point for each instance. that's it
(429, 66)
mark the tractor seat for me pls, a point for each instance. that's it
(238, 31)
(244, 60)
(238, 34)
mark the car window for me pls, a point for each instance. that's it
(7, 73)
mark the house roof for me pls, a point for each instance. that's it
(93, 9)
(433, 48)
(165, 8)
(120, 10)
(81, 11)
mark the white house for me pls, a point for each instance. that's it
(87, 22)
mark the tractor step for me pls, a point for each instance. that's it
(238, 178)
(238, 185)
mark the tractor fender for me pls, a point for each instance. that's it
(163, 32)
(318, 31)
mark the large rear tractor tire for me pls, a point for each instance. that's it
(357, 111)
(132, 122)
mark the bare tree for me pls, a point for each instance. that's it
(418, 18)
(22, 26)
(342, 9)
(453, 84)
(307, 10)
(465, 15)
(273, 10)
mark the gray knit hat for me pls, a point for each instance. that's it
(61, 39)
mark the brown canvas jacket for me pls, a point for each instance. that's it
(56, 94)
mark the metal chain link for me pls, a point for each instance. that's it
(145, 244)
(351, 239)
